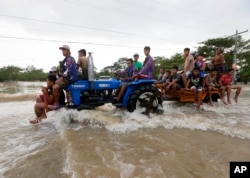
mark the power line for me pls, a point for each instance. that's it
(73, 42)
(81, 26)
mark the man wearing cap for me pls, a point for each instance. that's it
(137, 64)
(68, 69)
(54, 71)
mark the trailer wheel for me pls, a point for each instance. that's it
(144, 96)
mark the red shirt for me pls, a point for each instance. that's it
(226, 80)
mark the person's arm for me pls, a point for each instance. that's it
(139, 66)
(173, 82)
(221, 60)
(213, 60)
(168, 80)
(78, 63)
(188, 63)
(185, 67)
(48, 98)
(207, 78)
(220, 83)
(163, 79)
(147, 66)
(69, 65)
(188, 82)
(203, 67)
(201, 82)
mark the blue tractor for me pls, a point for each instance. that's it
(91, 93)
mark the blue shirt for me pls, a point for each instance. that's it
(71, 68)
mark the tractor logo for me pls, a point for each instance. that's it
(104, 85)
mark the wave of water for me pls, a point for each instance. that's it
(23, 145)
(21, 141)
(232, 120)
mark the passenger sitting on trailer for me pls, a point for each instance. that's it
(200, 63)
(163, 86)
(195, 83)
(175, 81)
(128, 72)
(213, 82)
(226, 81)
(161, 78)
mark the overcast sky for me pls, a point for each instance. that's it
(32, 30)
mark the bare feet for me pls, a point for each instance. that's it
(210, 103)
(223, 101)
(229, 101)
(42, 117)
(35, 121)
(236, 100)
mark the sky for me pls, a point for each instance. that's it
(31, 31)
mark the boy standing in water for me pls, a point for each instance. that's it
(226, 81)
(195, 83)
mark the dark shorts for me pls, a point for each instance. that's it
(198, 88)
(63, 83)
(178, 86)
(220, 69)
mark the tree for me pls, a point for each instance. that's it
(209, 47)
(175, 60)
(227, 44)
(13, 73)
(10, 73)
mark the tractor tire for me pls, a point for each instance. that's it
(140, 91)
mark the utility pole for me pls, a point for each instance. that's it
(236, 50)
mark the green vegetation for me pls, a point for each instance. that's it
(13, 73)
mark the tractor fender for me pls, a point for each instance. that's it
(132, 87)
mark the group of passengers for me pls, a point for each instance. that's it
(135, 70)
(53, 96)
(193, 78)
(196, 79)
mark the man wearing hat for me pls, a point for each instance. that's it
(54, 71)
(137, 64)
(68, 69)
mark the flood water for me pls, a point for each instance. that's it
(181, 143)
